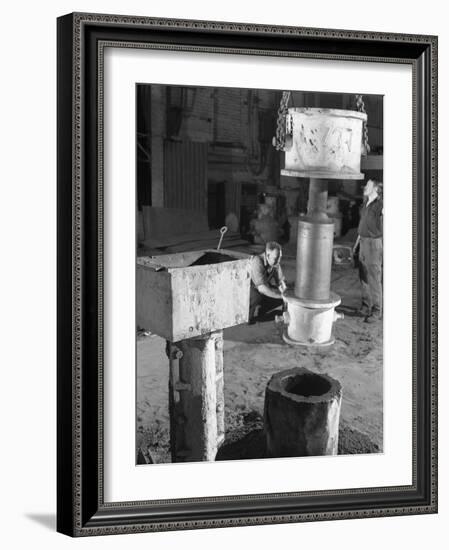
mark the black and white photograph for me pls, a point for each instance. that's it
(222, 286)
(259, 278)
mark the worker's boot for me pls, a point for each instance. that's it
(374, 316)
(364, 311)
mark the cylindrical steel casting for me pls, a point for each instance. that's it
(314, 259)
(302, 413)
(310, 324)
(327, 143)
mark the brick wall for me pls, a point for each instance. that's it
(222, 117)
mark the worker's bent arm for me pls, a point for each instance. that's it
(268, 291)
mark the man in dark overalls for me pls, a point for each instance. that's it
(267, 281)
(370, 237)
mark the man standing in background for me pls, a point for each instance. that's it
(370, 237)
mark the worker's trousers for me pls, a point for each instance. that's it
(264, 304)
(370, 272)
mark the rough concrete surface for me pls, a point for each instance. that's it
(252, 354)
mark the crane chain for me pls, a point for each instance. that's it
(281, 125)
(361, 108)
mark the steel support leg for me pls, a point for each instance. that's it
(196, 399)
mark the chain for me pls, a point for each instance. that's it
(279, 139)
(361, 108)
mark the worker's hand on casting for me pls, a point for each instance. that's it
(282, 287)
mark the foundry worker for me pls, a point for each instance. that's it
(267, 281)
(371, 251)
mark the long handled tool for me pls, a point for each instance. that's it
(222, 233)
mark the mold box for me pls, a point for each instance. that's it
(180, 296)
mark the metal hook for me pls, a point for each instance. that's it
(222, 232)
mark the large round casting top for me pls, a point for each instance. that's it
(327, 143)
(314, 111)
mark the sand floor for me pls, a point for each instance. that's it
(252, 354)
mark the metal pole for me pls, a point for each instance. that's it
(314, 246)
(317, 205)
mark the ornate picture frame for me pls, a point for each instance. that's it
(81, 507)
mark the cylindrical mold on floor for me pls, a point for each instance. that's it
(302, 413)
